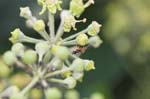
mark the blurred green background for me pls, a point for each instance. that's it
(123, 60)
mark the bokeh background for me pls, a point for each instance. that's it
(122, 61)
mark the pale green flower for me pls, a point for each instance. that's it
(82, 39)
(16, 35)
(94, 28)
(39, 26)
(51, 5)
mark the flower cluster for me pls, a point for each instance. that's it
(54, 61)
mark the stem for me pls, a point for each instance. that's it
(89, 3)
(57, 72)
(67, 43)
(30, 85)
(51, 25)
(56, 80)
(75, 35)
(60, 31)
(30, 40)
(45, 35)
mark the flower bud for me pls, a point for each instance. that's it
(18, 49)
(17, 35)
(4, 70)
(78, 76)
(20, 80)
(29, 57)
(9, 58)
(61, 52)
(82, 39)
(89, 65)
(30, 22)
(94, 28)
(72, 94)
(36, 94)
(57, 64)
(97, 96)
(77, 65)
(39, 25)
(41, 48)
(95, 41)
(25, 12)
(53, 93)
(70, 82)
(17, 96)
(77, 7)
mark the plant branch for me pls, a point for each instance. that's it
(30, 85)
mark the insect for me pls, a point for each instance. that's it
(78, 50)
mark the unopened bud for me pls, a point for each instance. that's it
(29, 57)
(70, 82)
(77, 65)
(25, 12)
(61, 52)
(53, 93)
(9, 58)
(95, 41)
(18, 49)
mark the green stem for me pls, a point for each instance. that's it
(30, 85)
(30, 40)
(51, 25)
(57, 72)
(45, 35)
(60, 81)
(60, 31)
(75, 35)
(68, 43)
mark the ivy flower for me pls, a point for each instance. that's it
(51, 5)
(77, 7)
(94, 28)
(16, 35)
(25, 12)
(69, 21)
